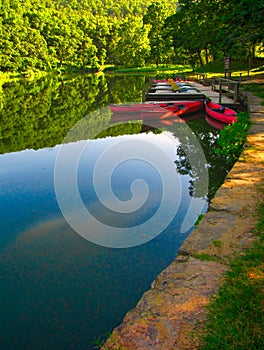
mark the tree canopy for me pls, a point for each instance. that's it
(216, 28)
(80, 34)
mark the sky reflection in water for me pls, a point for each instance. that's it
(59, 290)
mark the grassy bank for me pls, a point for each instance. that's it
(239, 68)
(162, 69)
(236, 315)
(256, 88)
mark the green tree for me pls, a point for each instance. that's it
(133, 45)
(155, 17)
(243, 27)
(193, 29)
(208, 29)
(63, 39)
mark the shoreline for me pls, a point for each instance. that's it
(170, 314)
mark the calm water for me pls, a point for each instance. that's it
(59, 290)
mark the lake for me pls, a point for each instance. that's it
(92, 210)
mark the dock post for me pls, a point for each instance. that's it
(220, 91)
(236, 92)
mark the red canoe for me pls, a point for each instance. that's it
(187, 107)
(155, 113)
(137, 107)
(223, 114)
(160, 81)
(177, 107)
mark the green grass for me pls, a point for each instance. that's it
(162, 69)
(256, 88)
(240, 64)
(235, 319)
(204, 257)
(99, 342)
(197, 222)
(236, 315)
(233, 137)
(239, 69)
(213, 68)
(218, 66)
(217, 244)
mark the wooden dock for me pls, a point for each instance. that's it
(202, 92)
(213, 95)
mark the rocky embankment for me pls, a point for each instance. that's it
(169, 315)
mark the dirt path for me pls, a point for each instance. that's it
(167, 316)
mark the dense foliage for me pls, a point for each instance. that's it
(204, 30)
(56, 34)
(233, 137)
(81, 34)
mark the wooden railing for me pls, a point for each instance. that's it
(199, 77)
(230, 87)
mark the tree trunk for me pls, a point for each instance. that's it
(200, 58)
(252, 56)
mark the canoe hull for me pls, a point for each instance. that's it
(223, 114)
(176, 107)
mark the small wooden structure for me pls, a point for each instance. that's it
(230, 87)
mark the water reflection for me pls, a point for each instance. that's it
(58, 290)
(39, 114)
(63, 288)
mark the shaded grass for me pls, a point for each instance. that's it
(217, 66)
(256, 88)
(204, 257)
(235, 319)
(239, 69)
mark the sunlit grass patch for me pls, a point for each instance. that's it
(162, 69)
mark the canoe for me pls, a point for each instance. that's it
(187, 88)
(223, 114)
(131, 107)
(177, 107)
(161, 87)
(160, 117)
(161, 84)
(137, 107)
(155, 113)
(182, 84)
(148, 114)
(188, 107)
(155, 81)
